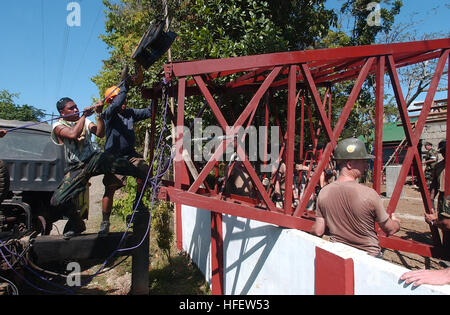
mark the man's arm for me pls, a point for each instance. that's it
(72, 133)
(390, 226)
(319, 226)
(443, 223)
(99, 128)
(431, 159)
(142, 114)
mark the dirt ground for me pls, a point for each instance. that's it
(410, 210)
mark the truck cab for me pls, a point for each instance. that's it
(33, 167)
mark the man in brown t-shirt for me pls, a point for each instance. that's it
(349, 209)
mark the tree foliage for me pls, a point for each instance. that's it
(208, 29)
(361, 121)
(11, 111)
(364, 33)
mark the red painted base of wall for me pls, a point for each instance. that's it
(334, 275)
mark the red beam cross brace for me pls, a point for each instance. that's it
(231, 132)
(333, 135)
(413, 137)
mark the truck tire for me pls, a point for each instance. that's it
(4, 181)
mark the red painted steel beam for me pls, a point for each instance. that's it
(335, 135)
(292, 102)
(178, 169)
(234, 209)
(317, 67)
(447, 161)
(410, 246)
(302, 118)
(413, 138)
(298, 57)
(217, 261)
(179, 133)
(212, 103)
(379, 115)
(318, 102)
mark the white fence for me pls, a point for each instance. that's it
(263, 259)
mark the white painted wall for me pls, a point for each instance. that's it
(263, 259)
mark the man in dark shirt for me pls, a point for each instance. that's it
(120, 141)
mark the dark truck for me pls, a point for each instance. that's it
(31, 168)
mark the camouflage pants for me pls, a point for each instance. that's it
(76, 179)
(443, 206)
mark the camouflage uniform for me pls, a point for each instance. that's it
(432, 154)
(85, 161)
(446, 208)
(77, 177)
(443, 203)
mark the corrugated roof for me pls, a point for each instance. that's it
(392, 132)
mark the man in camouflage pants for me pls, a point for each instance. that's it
(84, 160)
(443, 207)
(441, 220)
(430, 159)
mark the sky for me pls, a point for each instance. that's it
(44, 58)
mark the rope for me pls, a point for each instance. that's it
(154, 183)
(64, 116)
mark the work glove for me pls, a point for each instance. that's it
(124, 75)
(138, 76)
(135, 79)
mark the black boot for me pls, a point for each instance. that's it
(74, 226)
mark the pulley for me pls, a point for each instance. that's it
(153, 44)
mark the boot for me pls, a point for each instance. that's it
(74, 226)
(104, 228)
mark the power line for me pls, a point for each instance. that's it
(86, 46)
(60, 75)
(44, 87)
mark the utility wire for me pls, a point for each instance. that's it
(86, 46)
(44, 87)
(60, 75)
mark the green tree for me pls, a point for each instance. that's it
(365, 29)
(11, 111)
(361, 121)
(208, 29)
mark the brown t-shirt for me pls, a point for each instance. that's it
(350, 211)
